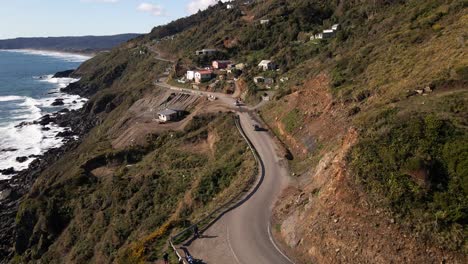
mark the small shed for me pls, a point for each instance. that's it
(336, 27)
(206, 52)
(317, 36)
(168, 115)
(264, 21)
(241, 66)
(267, 65)
(259, 79)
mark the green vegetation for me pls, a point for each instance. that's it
(98, 204)
(293, 120)
(418, 167)
(121, 206)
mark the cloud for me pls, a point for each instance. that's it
(196, 5)
(100, 1)
(155, 10)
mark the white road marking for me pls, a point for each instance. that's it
(274, 244)
(230, 247)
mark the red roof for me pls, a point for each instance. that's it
(205, 72)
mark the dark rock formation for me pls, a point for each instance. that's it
(8, 150)
(21, 159)
(9, 171)
(58, 102)
(63, 74)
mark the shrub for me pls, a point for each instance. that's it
(418, 167)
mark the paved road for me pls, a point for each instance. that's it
(243, 235)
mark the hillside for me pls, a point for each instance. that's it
(85, 44)
(374, 120)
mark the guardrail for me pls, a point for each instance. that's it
(228, 206)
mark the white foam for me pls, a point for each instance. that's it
(11, 98)
(71, 57)
(26, 141)
(32, 139)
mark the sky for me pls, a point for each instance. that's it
(49, 18)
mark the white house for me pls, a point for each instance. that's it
(230, 6)
(190, 75)
(335, 27)
(328, 33)
(265, 21)
(167, 115)
(267, 65)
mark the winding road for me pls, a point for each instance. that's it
(243, 235)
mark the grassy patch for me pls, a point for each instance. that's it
(293, 120)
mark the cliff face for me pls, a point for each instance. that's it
(374, 119)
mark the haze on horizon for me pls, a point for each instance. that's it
(57, 18)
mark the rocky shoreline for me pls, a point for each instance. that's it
(12, 190)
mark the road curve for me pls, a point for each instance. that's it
(243, 235)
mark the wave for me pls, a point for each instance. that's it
(70, 57)
(26, 141)
(31, 140)
(8, 98)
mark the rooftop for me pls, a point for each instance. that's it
(205, 72)
(167, 112)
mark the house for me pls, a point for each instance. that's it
(317, 36)
(168, 115)
(241, 66)
(328, 33)
(220, 64)
(230, 6)
(206, 52)
(190, 75)
(335, 27)
(259, 79)
(266, 65)
(264, 21)
(203, 76)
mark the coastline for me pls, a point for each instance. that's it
(14, 188)
(83, 55)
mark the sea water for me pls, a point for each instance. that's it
(27, 91)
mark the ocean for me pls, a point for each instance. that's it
(27, 91)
